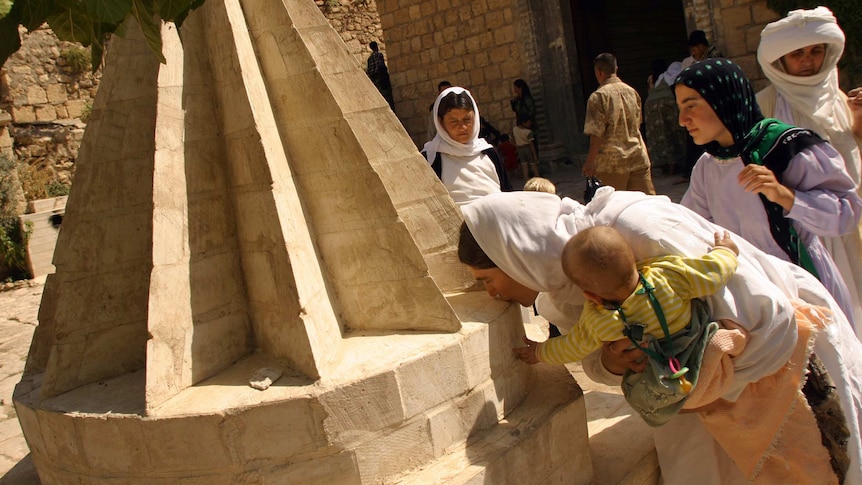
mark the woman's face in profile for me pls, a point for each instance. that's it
(698, 117)
(806, 61)
(501, 286)
(458, 123)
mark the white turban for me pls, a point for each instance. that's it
(814, 102)
(806, 94)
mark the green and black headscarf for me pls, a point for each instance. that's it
(759, 140)
(724, 86)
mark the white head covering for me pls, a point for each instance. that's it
(669, 76)
(443, 143)
(524, 233)
(816, 100)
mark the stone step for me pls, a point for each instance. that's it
(543, 441)
(621, 443)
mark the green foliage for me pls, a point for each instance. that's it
(5, 6)
(77, 59)
(8, 187)
(89, 22)
(13, 246)
(849, 15)
(86, 112)
(56, 188)
(13, 238)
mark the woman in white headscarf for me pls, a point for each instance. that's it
(467, 165)
(513, 243)
(799, 54)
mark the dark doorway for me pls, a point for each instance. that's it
(637, 32)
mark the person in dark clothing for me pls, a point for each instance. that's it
(379, 74)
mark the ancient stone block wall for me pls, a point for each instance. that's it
(357, 22)
(46, 101)
(737, 25)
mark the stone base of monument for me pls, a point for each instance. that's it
(404, 408)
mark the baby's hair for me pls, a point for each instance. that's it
(598, 259)
(540, 184)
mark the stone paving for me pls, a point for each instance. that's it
(611, 424)
(19, 310)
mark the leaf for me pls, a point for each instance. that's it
(72, 25)
(10, 41)
(35, 12)
(144, 12)
(169, 10)
(109, 11)
(179, 19)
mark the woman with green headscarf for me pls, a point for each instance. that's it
(778, 186)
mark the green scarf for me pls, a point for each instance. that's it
(773, 144)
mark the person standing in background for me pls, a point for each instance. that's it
(618, 155)
(379, 74)
(665, 139)
(524, 105)
(699, 48)
(524, 137)
(799, 55)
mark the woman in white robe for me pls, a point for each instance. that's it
(467, 165)
(799, 55)
(523, 233)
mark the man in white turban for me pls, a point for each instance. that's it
(799, 55)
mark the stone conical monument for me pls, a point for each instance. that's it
(253, 204)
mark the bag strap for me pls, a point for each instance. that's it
(647, 289)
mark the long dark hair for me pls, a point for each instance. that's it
(455, 100)
(469, 251)
(525, 90)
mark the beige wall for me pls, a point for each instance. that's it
(736, 26)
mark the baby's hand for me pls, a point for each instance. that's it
(724, 241)
(528, 353)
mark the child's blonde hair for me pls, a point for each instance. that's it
(540, 184)
(600, 260)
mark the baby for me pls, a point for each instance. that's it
(625, 298)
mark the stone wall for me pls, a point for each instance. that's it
(47, 99)
(736, 26)
(357, 22)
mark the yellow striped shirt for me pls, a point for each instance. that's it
(677, 280)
